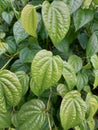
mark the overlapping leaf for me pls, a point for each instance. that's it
(72, 110)
(10, 89)
(69, 75)
(76, 62)
(92, 46)
(29, 19)
(32, 115)
(24, 80)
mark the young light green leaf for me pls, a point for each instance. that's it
(76, 62)
(2, 48)
(94, 61)
(73, 4)
(5, 120)
(96, 79)
(56, 18)
(82, 17)
(91, 124)
(86, 4)
(24, 80)
(11, 88)
(8, 16)
(2, 35)
(69, 75)
(92, 46)
(46, 69)
(17, 30)
(82, 80)
(92, 106)
(29, 19)
(62, 89)
(32, 115)
(72, 110)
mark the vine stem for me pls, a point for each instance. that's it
(15, 11)
(47, 109)
(38, 6)
(50, 128)
(7, 63)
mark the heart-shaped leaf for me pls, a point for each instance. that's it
(8, 17)
(46, 70)
(72, 110)
(56, 18)
(32, 115)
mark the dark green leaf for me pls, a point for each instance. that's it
(19, 32)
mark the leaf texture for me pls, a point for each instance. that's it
(56, 18)
(32, 115)
(46, 70)
(72, 110)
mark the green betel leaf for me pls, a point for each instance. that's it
(69, 75)
(3, 5)
(56, 18)
(94, 61)
(2, 48)
(92, 106)
(5, 120)
(62, 89)
(82, 17)
(72, 110)
(91, 124)
(96, 79)
(76, 62)
(32, 115)
(46, 69)
(92, 46)
(24, 80)
(8, 17)
(35, 89)
(10, 89)
(73, 4)
(86, 4)
(29, 19)
(82, 126)
(82, 80)
(19, 32)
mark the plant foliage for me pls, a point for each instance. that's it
(48, 64)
